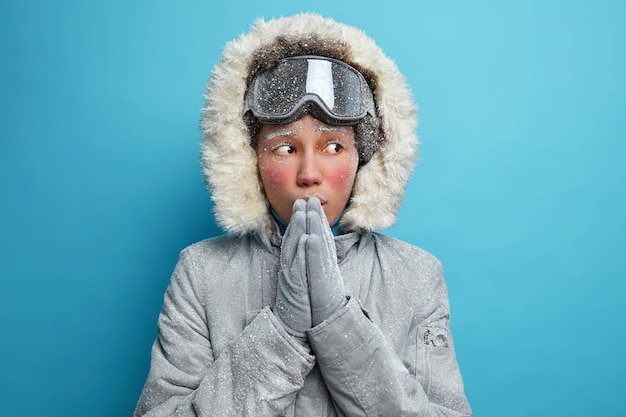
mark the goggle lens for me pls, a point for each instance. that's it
(340, 91)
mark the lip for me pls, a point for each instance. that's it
(322, 200)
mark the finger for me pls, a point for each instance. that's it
(315, 267)
(297, 224)
(295, 285)
(319, 227)
(299, 205)
(302, 261)
(317, 273)
(314, 204)
(314, 223)
(295, 229)
(326, 290)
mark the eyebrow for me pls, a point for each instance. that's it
(293, 133)
(281, 133)
(330, 129)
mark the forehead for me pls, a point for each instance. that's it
(305, 125)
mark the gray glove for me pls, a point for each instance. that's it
(326, 289)
(292, 307)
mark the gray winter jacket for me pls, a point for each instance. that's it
(221, 352)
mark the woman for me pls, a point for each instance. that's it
(301, 308)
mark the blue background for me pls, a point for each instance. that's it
(519, 191)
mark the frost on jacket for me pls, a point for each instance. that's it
(221, 352)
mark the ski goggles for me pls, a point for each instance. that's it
(332, 90)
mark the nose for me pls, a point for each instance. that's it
(309, 173)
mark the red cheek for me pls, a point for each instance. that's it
(275, 177)
(342, 177)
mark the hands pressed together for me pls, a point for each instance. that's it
(310, 288)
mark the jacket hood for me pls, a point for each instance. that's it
(229, 162)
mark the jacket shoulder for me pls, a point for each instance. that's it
(214, 246)
(405, 252)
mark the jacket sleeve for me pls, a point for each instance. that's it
(366, 377)
(258, 373)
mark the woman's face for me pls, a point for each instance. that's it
(307, 158)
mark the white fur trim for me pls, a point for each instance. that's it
(230, 164)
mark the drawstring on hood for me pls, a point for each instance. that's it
(387, 145)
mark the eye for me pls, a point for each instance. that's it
(334, 148)
(283, 149)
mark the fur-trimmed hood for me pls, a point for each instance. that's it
(230, 163)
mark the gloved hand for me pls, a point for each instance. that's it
(326, 288)
(292, 307)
